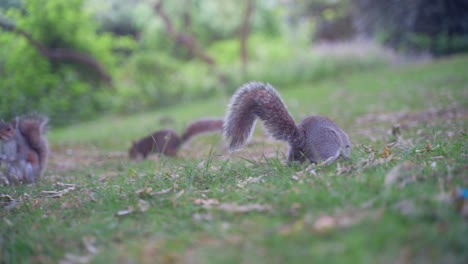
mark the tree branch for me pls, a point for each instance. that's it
(245, 30)
(184, 39)
(59, 54)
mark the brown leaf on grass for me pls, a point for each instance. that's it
(176, 197)
(298, 176)
(58, 194)
(385, 152)
(309, 170)
(75, 259)
(7, 221)
(373, 158)
(292, 228)
(148, 192)
(202, 217)
(143, 205)
(243, 183)
(145, 192)
(163, 191)
(327, 223)
(6, 201)
(344, 169)
(427, 148)
(107, 174)
(206, 202)
(127, 211)
(245, 208)
(88, 242)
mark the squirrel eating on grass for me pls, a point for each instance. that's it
(168, 142)
(315, 138)
(24, 150)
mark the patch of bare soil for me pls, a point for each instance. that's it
(453, 117)
(69, 158)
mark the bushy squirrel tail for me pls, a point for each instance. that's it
(258, 100)
(33, 127)
(201, 126)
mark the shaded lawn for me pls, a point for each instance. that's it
(211, 206)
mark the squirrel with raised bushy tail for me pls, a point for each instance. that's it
(24, 150)
(315, 138)
(168, 142)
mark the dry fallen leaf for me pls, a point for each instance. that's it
(202, 217)
(143, 205)
(145, 192)
(245, 208)
(75, 259)
(7, 221)
(127, 211)
(298, 176)
(88, 242)
(385, 152)
(6, 201)
(343, 169)
(178, 195)
(243, 183)
(325, 223)
(206, 202)
(293, 228)
(57, 194)
(342, 220)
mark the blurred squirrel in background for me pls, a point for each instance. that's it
(168, 142)
(24, 150)
(316, 138)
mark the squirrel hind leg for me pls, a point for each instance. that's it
(297, 155)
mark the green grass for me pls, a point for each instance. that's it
(343, 213)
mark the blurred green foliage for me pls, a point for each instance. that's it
(150, 68)
(437, 26)
(63, 90)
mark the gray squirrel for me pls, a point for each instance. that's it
(24, 150)
(168, 142)
(315, 138)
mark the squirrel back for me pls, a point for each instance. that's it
(34, 127)
(168, 142)
(316, 138)
(164, 141)
(24, 148)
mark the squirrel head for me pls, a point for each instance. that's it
(323, 140)
(346, 150)
(8, 130)
(134, 152)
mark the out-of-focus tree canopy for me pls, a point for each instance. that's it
(72, 59)
(436, 26)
